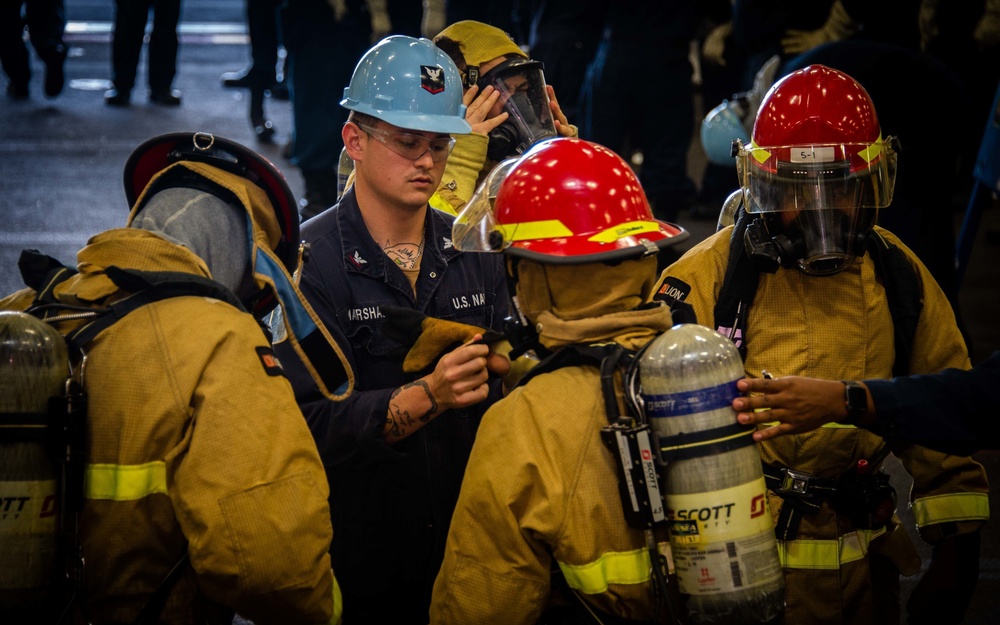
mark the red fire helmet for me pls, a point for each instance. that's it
(564, 201)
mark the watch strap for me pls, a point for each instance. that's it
(856, 400)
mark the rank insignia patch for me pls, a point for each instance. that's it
(356, 259)
(432, 78)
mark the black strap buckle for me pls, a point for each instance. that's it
(794, 482)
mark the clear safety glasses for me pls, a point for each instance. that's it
(412, 146)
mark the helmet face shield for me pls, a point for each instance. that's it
(816, 177)
(819, 197)
(476, 228)
(815, 172)
(522, 95)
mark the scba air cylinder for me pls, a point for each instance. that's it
(33, 368)
(721, 533)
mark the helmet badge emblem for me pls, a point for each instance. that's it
(432, 78)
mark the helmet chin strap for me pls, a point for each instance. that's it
(519, 330)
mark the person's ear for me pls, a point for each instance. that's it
(351, 134)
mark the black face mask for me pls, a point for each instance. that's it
(522, 89)
(819, 243)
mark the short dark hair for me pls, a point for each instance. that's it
(362, 118)
(453, 49)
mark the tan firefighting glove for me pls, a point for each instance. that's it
(839, 25)
(713, 49)
(430, 337)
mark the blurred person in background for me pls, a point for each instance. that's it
(126, 45)
(45, 21)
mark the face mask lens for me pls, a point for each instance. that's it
(524, 99)
(518, 83)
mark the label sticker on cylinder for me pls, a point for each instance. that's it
(722, 540)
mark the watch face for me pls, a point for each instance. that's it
(857, 400)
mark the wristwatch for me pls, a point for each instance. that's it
(856, 399)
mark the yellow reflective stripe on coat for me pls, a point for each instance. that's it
(626, 567)
(826, 554)
(951, 507)
(116, 482)
(338, 604)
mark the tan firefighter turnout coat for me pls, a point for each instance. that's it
(195, 443)
(540, 490)
(839, 328)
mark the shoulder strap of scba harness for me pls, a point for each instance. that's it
(44, 274)
(903, 293)
(902, 289)
(68, 414)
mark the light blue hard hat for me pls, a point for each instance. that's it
(734, 118)
(721, 126)
(409, 83)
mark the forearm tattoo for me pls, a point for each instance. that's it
(399, 421)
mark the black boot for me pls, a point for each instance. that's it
(54, 78)
(262, 127)
(321, 192)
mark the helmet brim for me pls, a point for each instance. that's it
(408, 120)
(577, 252)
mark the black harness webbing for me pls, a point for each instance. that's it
(609, 358)
(706, 442)
(802, 493)
(148, 287)
(903, 294)
(44, 273)
(898, 276)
